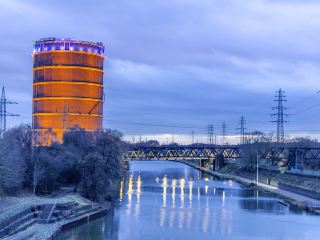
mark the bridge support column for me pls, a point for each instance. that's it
(218, 162)
(291, 159)
(202, 162)
(215, 164)
(296, 159)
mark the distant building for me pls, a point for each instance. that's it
(67, 87)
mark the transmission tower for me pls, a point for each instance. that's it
(280, 114)
(224, 132)
(4, 113)
(210, 133)
(192, 137)
(242, 130)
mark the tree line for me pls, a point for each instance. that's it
(88, 161)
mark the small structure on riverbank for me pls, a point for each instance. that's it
(45, 218)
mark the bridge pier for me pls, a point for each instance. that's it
(296, 159)
(215, 165)
(202, 162)
(218, 162)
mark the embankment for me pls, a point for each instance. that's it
(298, 190)
(301, 184)
(44, 218)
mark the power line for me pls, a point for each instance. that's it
(154, 124)
(306, 109)
(303, 100)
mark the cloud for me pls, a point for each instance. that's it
(184, 62)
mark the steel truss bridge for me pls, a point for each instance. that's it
(296, 156)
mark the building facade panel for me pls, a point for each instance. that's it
(67, 73)
(45, 105)
(62, 122)
(65, 89)
(68, 58)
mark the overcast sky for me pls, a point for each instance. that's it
(183, 63)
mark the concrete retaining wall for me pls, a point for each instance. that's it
(305, 192)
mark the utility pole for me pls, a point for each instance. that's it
(210, 134)
(224, 132)
(64, 118)
(4, 113)
(192, 137)
(242, 130)
(280, 115)
(257, 168)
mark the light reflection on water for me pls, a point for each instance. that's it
(166, 200)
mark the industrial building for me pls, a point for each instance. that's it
(67, 87)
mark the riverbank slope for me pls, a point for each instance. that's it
(45, 217)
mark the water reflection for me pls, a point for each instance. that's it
(121, 191)
(161, 200)
(173, 186)
(164, 193)
(190, 192)
(97, 230)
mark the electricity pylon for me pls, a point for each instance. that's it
(3, 112)
(224, 132)
(242, 130)
(210, 133)
(280, 115)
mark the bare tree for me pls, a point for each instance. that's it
(250, 153)
(256, 137)
(13, 149)
(26, 164)
(38, 173)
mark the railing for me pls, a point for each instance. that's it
(27, 233)
(312, 204)
(51, 211)
(44, 64)
(51, 232)
(11, 212)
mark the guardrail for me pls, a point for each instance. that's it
(51, 233)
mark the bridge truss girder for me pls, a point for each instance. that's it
(182, 153)
(299, 155)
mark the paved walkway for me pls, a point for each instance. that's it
(311, 202)
(294, 197)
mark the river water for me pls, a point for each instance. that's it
(166, 200)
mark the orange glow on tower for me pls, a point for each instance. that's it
(67, 87)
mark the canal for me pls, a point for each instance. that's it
(167, 200)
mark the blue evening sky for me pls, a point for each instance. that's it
(186, 63)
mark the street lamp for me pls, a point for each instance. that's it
(257, 167)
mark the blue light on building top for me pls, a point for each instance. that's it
(67, 44)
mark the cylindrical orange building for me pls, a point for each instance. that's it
(67, 87)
